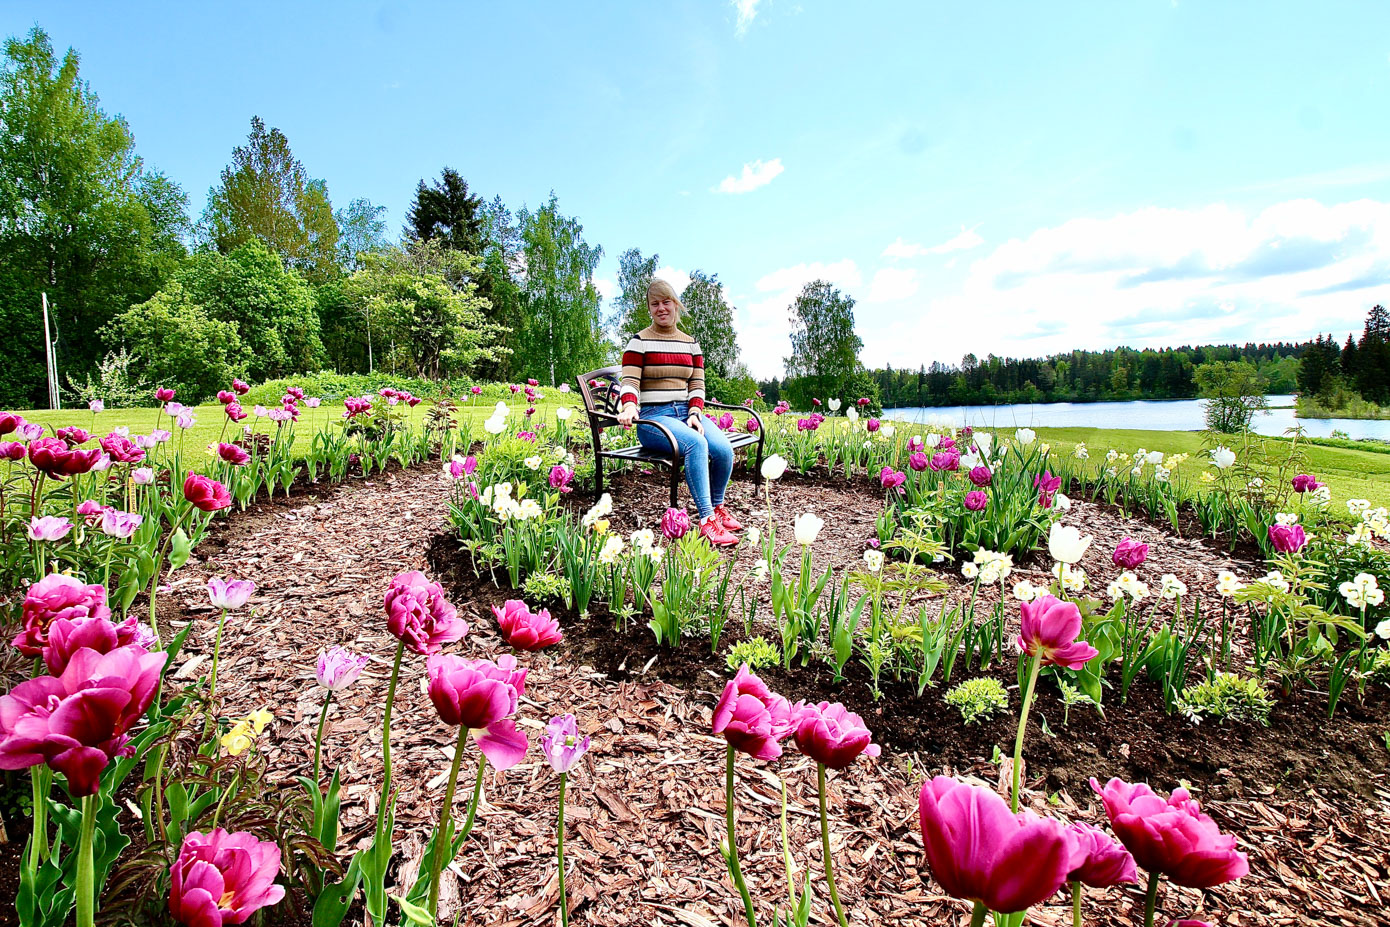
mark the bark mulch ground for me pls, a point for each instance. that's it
(1308, 799)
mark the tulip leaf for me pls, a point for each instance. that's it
(415, 914)
(179, 550)
(335, 899)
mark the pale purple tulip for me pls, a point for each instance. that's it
(339, 668)
(562, 744)
(229, 594)
(142, 476)
(118, 524)
(49, 527)
(96, 405)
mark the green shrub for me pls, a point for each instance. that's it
(1239, 698)
(755, 651)
(545, 587)
(978, 699)
(1379, 670)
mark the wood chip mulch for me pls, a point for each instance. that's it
(646, 810)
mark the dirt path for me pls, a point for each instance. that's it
(646, 807)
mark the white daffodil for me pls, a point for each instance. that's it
(1228, 584)
(1172, 587)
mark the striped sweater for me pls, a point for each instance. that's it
(660, 368)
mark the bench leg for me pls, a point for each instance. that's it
(758, 464)
(598, 475)
(675, 482)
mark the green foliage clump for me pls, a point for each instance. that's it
(1379, 670)
(1227, 696)
(978, 699)
(756, 652)
(545, 587)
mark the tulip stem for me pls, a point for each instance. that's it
(825, 847)
(1034, 666)
(1151, 900)
(159, 568)
(386, 734)
(1076, 904)
(86, 867)
(443, 837)
(212, 678)
(560, 853)
(734, 869)
(318, 737)
(41, 782)
(977, 915)
(473, 802)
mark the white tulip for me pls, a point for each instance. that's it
(983, 440)
(1025, 436)
(563, 413)
(834, 405)
(852, 414)
(887, 430)
(1066, 543)
(932, 439)
(494, 425)
(806, 527)
(500, 410)
(774, 467)
(1222, 457)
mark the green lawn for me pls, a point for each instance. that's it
(1351, 474)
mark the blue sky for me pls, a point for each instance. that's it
(1008, 178)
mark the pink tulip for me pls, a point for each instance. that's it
(981, 476)
(1049, 630)
(976, 500)
(221, 878)
(338, 668)
(121, 449)
(142, 476)
(241, 387)
(57, 460)
(1171, 837)
(51, 598)
(479, 695)
(418, 614)
(96, 406)
(562, 745)
(234, 411)
(118, 524)
(945, 460)
(1047, 486)
(205, 493)
(751, 717)
(1287, 539)
(67, 636)
(91, 511)
(830, 734)
(524, 629)
(560, 477)
(1101, 860)
(751, 426)
(73, 435)
(10, 421)
(11, 450)
(77, 722)
(1129, 554)
(872, 425)
(674, 524)
(892, 480)
(49, 528)
(918, 461)
(229, 594)
(233, 455)
(979, 851)
(226, 397)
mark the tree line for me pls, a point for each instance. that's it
(1338, 377)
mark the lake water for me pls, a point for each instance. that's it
(1156, 415)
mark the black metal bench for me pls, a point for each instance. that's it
(600, 390)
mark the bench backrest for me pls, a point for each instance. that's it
(599, 390)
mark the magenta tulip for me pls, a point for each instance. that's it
(73, 435)
(67, 636)
(524, 629)
(163, 394)
(57, 460)
(1049, 629)
(11, 450)
(872, 425)
(981, 476)
(1129, 554)
(234, 411)
(562, 745)
(976, 500)
(917, 461)
(240, 387)
(121, 449)
(233, 454)
(726, 421)
(560, 477)
(10, 421)
(204, 493)
(830, 734)
(51, 598)
(751, 426)
(751, 717)
(947, 460)
(419, 616)
(674, 524)
(221, 878)
(892, 480)
(479, 695)
(1303, 482)
(1171, 837)
(77, 722)
(1101, 860)
(979, 851)
(1287, 539)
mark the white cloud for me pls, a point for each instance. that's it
(607, 287)
(1158, 277)
(678, 279)
(755, 174)
(763, 324)
(891, 284)
(967, 239)
(747, 11)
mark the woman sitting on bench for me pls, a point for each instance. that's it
(664, 378)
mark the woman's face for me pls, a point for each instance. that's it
(663, 311)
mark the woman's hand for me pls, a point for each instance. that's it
(696, 421)
(628, 415)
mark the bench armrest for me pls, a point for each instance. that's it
(603, 420)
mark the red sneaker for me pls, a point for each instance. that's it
(727, 519)
(713, 531)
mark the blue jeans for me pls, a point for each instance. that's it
(709, 458)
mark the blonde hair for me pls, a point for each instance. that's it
(661, 290)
